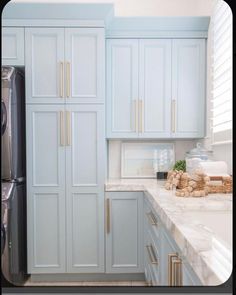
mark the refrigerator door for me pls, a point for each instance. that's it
(13, 124)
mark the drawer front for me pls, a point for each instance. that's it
(152, 221)
(151, 254)
(13, 46)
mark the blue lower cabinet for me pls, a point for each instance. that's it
(124, 232)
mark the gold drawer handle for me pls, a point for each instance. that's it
(151, 254)
(140, 116)
(108, 215)
(61, 79)
(62, 130)
(177, 272)
(173, 118)
(151, 218)
(68, 123)
(68, 79)
(170, 268)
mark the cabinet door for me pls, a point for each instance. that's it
(44, 48)
(122, 88)
(13, 46)
(85, 158)
(45, 189)
(124, 239)
(85, 65)
(155, 88)
(188, 88)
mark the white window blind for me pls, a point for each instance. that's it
(222, 73)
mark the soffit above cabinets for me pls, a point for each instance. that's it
(102, 15)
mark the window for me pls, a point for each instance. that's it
(222, 74)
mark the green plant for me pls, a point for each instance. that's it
(180, 165)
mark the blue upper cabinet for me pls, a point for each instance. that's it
(44, 52)
(155, 88)
(13, 46)
(65, 65)
(85, 65)
(122, 88)
(188, 88)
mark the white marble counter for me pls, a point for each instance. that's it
(208, 254)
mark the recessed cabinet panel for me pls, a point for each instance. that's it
(45, 148)
(84, 137)
(85, 65)
(83, 242)
(44, 72)
(188, 87)
(122, 88)
(124, 239)
(13, 46)
(155, 87)
(46, 234)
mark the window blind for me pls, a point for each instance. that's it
(221, 74)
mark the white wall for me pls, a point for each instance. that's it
(114, 154)
(147, 7)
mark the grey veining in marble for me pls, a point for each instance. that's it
(199, 244)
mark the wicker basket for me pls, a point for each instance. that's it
(224, 187)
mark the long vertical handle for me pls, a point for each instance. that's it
(177, 272)
(173, 115)
(170, 268)
(61, 79)
(140, 116)
(62, 130)
(68, 79)
(108, 215)
(68, 127)
(136, 116)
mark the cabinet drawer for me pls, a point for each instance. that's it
(152, 221)
(13, 46)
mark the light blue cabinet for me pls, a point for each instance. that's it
(122, 88)
(85, 65)
(13, 46)
(46, 199)
(85, 169)
(65, 185)
(188, 88)
(124, 232)
(44, 57)
(164, 263)
(65, 65)
(155, 88)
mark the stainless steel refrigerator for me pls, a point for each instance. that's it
(13, 177)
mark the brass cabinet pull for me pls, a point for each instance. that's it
(177, 272)
(151, 218)
(173, 115)
(108, 215)
(68, 79)
(140, 116)
(150, 284)
(151, 254)
(68, 127)
(170, 268)
(62, 130)
(61, 79)
(136, 116)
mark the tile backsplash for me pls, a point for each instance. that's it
(114, 153)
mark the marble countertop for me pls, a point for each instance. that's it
(209, 256)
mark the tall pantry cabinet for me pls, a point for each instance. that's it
(65, 79)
